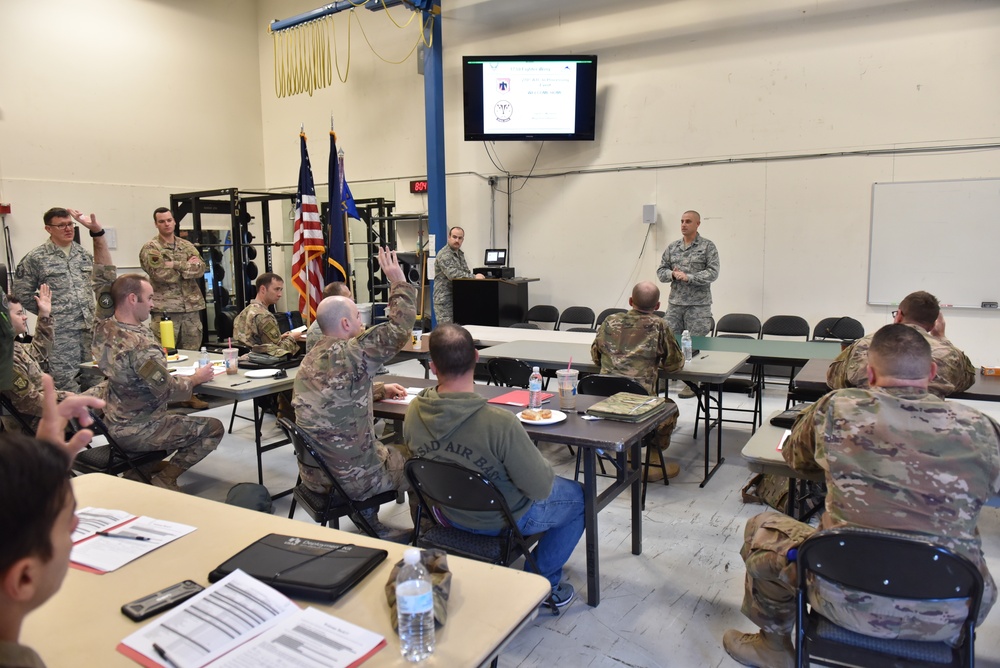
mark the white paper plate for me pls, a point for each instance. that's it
(176, 358)
(557, 416)
(261, 373)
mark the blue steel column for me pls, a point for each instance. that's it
(437, 200)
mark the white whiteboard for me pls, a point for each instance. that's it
(938, 236)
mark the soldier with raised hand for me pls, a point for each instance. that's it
(334, 391)
(66, 267)
(174, 267)
(921, 311)
(140, 386)
(895, 457)
(638, 344)
(449, 264)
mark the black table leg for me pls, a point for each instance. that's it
(636, 470)
(590, 526)
(719, 459)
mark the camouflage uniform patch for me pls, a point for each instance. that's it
(955, 372)
(20, 383)
(449, 264)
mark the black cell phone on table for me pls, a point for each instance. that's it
(157, 602)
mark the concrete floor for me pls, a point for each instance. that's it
(668, 606)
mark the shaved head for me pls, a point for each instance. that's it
(338, 317)
(645, 296)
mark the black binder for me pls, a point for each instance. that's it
(304, 568)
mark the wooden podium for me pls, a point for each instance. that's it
(495, 302)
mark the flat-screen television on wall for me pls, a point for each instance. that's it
(529, 97)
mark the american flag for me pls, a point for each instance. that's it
(307, 241)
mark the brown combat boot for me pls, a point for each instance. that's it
(765, 649)
(655, 472)
(195, 402)
(167, 478)
(403, 536)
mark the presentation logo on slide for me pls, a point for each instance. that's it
(503, 110)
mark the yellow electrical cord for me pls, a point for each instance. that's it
(302, 53)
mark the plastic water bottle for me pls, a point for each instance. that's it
(535, 390)
(204, 360)
(415, 608)
(686, 345)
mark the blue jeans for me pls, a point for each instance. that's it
(560, 517)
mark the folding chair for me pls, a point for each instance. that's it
(543, 313)
(443, 485)
(112, 458)
(8, 407)
(325, 508)
(843, 328)
(509, 372)
(888, 564)
(606, 312)
(577, 315)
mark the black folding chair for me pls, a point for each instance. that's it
(543, 313)
(8, 407)
(326, 508)
(441, 486)
(890, 564)
(112, 458)
(605, 313)
(577, 315)
(843, 328)
(509, 372)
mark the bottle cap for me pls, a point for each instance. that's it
(534, 369)
(411, 556)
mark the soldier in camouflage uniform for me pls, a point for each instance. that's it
(448, 265)
(139, 386)
(638, 344)
(689, 265)
(257, 328)
(66, 267)
(919, 310)
(30, 360)
(333, 289)
(174, 267)
(896, 457)
(333, 393)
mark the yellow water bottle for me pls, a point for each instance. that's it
(167, 333)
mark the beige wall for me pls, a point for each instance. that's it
(679, 82)
(111, 105)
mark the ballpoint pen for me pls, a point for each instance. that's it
(240, 383)
(637, 407)
(128, 536)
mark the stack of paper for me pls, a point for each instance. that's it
(258, 625)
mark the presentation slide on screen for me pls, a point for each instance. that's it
(529, 97)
